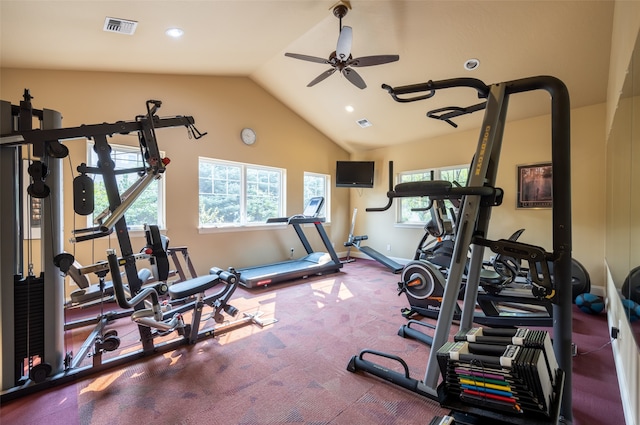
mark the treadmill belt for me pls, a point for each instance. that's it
(287, 270)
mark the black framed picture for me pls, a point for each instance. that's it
(535, 186)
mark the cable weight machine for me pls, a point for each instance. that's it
(478, 198)
(34, 335)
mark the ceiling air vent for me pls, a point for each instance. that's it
(121, 26)
(364, 123)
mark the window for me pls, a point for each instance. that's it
(149, 208)
(238, 194)
(458, 174)
(318, 185)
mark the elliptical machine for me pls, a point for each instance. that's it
(423, 279)
(505, 293)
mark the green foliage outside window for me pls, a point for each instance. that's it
(220, 189)
(236, 193)
(263, 194)
(407, 215)
(316, 185)
(146, 209)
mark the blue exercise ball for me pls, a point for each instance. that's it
(632, 309)
(590, 303)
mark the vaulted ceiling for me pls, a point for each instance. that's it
(514, 39)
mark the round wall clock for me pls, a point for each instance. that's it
(248, 136)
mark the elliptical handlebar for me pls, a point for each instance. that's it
(380, 209)
(389, 198)
(436, 189)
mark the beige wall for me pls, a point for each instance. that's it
(220, 106)
(526, 141)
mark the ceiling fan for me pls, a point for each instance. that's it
(341, 59)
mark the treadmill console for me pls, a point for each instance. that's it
(313, 207)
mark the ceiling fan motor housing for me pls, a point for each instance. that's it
(340, 11)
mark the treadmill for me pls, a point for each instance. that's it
(314, 263)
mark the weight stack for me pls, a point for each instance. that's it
(28, 322)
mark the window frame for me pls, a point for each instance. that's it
(243, 223)
(326, 208)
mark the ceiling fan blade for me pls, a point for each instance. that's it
(354, 78)
(321, 77)
(343, 50)
(306, 58)
(373, 60)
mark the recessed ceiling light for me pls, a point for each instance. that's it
(174, 32)
(471, 64)
(348, 108)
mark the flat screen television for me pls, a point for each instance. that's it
(354, 174)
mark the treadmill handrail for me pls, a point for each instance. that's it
(296, 220)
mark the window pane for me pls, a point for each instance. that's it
(237, 193)
(317, 185)
(145, 210)
(218, 209)
(219, 199)
(263, 194)
(457, 174)
(205, 178)
(313, 186)
(407, 204)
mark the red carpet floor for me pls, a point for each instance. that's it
(293, 371)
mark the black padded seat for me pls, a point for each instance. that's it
(88, 292)
(442, 189)
(190, 287)
(427, 187)
(91, 293)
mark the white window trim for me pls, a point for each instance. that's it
(327, 193)
(243, 226)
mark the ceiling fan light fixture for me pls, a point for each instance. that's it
(471, 64)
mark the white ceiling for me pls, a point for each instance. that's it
(513, 39)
